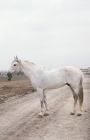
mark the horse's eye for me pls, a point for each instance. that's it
(14, 64)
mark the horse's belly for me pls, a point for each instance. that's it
(54, 85)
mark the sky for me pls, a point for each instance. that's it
(52, 33)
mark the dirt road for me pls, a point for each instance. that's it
(19, 117)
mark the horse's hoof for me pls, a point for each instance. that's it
(79, 114)
(72, 113)
(41, 114)
(46, 114)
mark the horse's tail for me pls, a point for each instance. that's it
(81, 91)
(78, 93)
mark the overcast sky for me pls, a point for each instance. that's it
(53, 33)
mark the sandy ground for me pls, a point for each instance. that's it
(19, 117)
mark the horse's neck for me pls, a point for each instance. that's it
(28, 68)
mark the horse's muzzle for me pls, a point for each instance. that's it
(9, 75)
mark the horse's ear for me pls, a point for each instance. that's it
(16, 57)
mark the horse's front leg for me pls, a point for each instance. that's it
(40, 91)
(46, 113)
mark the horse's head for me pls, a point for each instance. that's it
(15, 67)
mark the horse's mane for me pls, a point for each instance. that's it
(39, 66)
(26, 61)
(30, 63)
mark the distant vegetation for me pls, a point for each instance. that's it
(14, 78)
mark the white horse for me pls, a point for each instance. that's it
(42, 78)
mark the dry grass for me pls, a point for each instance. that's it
(17, 86)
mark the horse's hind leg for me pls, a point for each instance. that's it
(75, 100)
(74, 105)
(80, 100)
